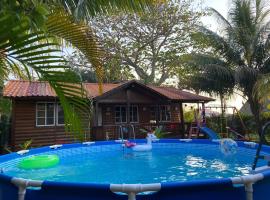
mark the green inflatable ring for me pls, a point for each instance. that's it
(39, 162)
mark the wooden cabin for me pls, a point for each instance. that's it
(123, 108)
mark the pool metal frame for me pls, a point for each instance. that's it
(132, 190)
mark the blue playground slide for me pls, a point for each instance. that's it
(212, 134)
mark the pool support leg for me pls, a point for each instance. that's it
(248, 182)
(133, 189)
(131, 196)
(22, 185)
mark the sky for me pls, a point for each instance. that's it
(222, 6)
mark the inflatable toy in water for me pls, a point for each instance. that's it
(129, 144)
(228, 146)
(39, 162)
(147, 146)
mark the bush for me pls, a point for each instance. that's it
(189, 116)
(4, 132)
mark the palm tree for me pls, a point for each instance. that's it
(29, 44)
(242, 48)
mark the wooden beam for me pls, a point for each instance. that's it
(96, 114)
(13, 123)
(182, 125)
(157, 114)
(203, 113)
(128, 105)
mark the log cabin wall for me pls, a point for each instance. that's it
(24, 127)
(24, 124)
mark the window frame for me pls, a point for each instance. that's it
(131, 115)
(121, 106)
(45, 125)
(160, 114)
(56, 118)
(155, 111)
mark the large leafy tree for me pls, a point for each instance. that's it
(240, 50)
(149, 44)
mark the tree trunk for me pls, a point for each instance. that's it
(256, 111)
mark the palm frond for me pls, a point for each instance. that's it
(218, 44)
(261, 88)
(85, 9)
(213, 74)
(221, 19)
(246, 77)
(22, 52)
(261, 11)
(80, 35)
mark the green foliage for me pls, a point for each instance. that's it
(62, 25)
(85, 9)
(26, 145)
(34, 12)
(5, 106)
(159, 132)
(24, 52)
(238, 55)
(189, 116)
(4, 132)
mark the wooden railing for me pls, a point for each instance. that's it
(111, 132)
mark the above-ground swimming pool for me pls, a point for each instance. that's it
(173, 169)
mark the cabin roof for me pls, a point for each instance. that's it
(20, 88)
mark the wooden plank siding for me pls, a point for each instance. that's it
(24, 127)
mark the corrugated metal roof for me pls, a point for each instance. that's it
(18, 88)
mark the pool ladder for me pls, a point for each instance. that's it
(262, 140)
(121, 132)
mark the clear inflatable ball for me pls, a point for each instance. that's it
(228, 146)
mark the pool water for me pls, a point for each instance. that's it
(167, 162)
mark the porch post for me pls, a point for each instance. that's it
(128, 105)
(203, 113)
(96, 114)
(157, 114)
(182, 125)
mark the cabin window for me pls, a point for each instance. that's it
(134, 117)
(153, 113)
(120, 114)
(60, 115)
(45, 114)
(165, 113)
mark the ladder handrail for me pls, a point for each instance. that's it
(121, 132)
(262, 139)
(235, 132)
(133, 131)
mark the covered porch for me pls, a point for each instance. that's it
(133, 107)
